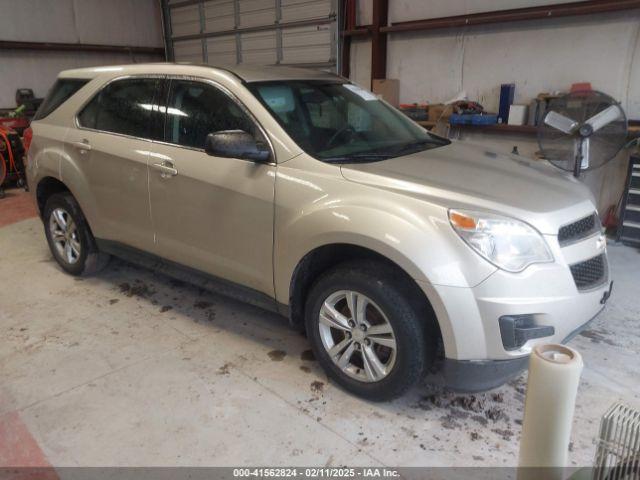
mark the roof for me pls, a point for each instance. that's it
(248, 73)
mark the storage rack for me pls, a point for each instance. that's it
(629, 229)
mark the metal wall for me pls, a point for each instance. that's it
(259, 32)
(133, 23)
(538, 56)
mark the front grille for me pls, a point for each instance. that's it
(590, 273)
(580, 229)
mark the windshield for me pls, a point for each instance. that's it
(341, 122)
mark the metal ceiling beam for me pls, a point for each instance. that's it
(515, 15)
(501, 16)
(78, 47)
(361, 31)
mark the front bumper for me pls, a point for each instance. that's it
(472, 376)
(469, 318)
(546, 296)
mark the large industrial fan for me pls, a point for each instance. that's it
(582, 131)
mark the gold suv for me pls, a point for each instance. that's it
(303, 193)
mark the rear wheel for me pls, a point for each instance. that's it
(367, 330)
(70, 238)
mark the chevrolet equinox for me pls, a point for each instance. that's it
(394, 249)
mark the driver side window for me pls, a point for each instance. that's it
(197, 109)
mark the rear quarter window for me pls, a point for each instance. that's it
(61, 91)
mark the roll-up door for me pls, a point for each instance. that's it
(257, 32)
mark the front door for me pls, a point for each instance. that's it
(210, 213)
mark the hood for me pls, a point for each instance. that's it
(466, 175)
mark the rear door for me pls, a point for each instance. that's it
(210, 213)
(111, 146)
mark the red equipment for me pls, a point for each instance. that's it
(19, 124)
(11, 153)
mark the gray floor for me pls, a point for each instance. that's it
(133, 368)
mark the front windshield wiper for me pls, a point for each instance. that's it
(405, 149)
(416, 146)
(358, 157)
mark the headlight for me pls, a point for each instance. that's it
(506, 242)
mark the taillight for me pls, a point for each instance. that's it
(27, 136)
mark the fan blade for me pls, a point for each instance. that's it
(585, 154)
(560, 122)
(605, 117)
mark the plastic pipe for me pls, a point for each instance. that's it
(554, 375)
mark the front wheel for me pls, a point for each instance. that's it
(70, 238)
(368, 331)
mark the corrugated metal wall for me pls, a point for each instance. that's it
(259, 32)
(134, 23)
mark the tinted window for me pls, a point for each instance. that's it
(196, 109)
(59, 93)
(124, 106)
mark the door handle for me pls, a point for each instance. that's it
(84, 145)
(166, 169)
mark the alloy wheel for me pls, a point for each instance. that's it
(357, 336)
(64, 235)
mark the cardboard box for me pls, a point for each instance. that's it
(439, 111)
(388, 89)
(518, 114)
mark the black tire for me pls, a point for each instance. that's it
(90, 260)
(401, 302)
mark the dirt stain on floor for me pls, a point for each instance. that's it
(139, 289)
(305, 369)
(480, 408)
(317, 386)
(277, 355)
(598, 336)
(224, 369)
(307, 356)
(202, 304)
(165, 308)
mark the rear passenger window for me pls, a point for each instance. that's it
(61, 91)
(196, 109)
(124, 106)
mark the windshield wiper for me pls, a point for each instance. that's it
(415, 147)
(358, 157)
(405, 149)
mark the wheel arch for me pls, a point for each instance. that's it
(323, 258)
(46, 187)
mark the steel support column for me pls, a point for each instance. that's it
(379, 39)
(166, 30)
(346, 22)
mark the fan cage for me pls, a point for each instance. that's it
(618, 452)
(560, 149)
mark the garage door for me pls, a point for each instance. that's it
(259, 32)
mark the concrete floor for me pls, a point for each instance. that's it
(133, 368)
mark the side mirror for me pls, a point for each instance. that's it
(236, 144)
